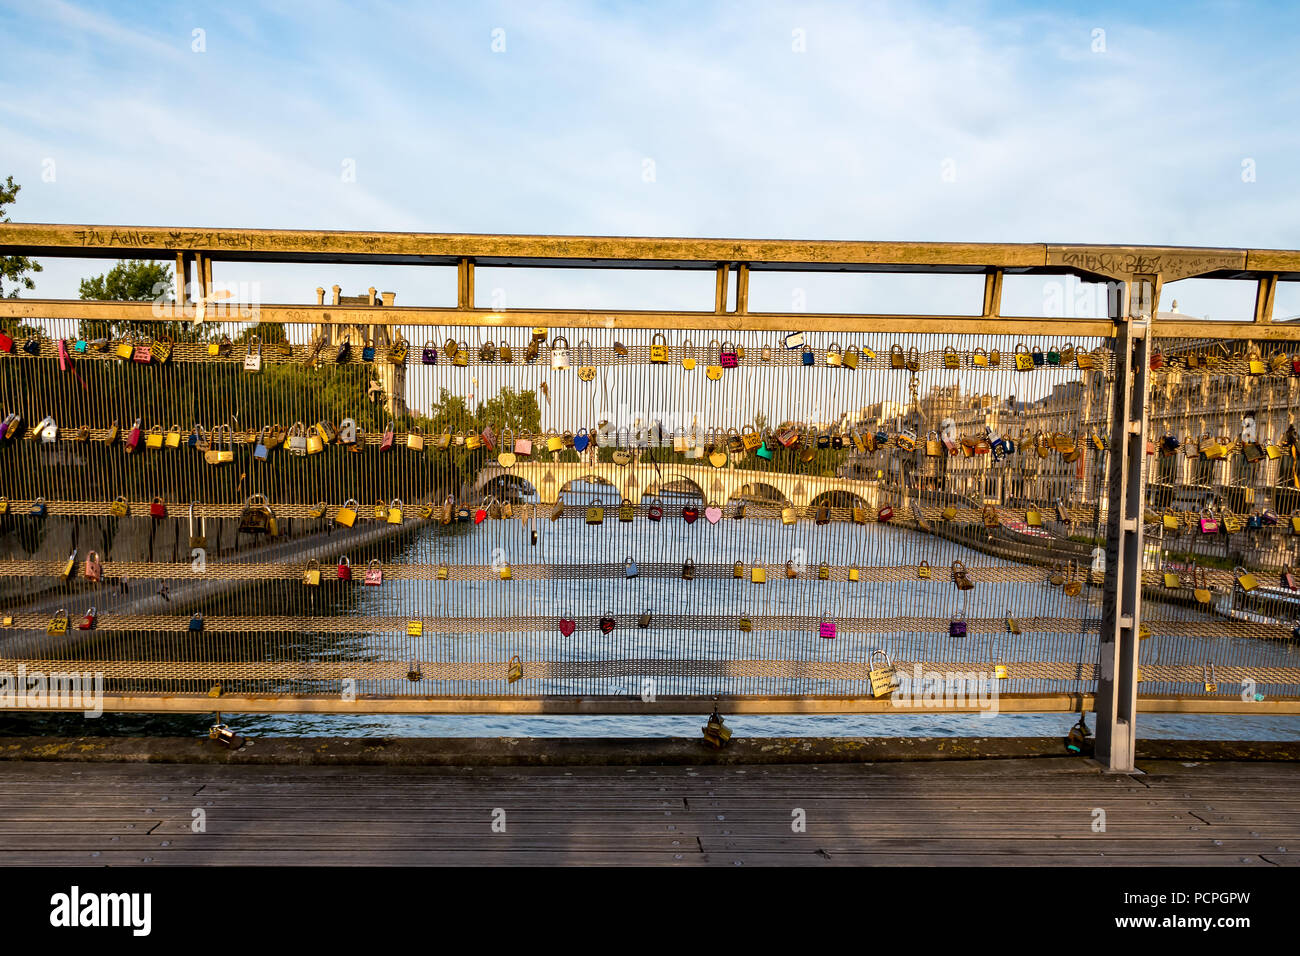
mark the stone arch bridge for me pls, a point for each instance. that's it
(641, 478)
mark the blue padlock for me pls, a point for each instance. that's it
(1037, 356)
(196, 622)
(368, 353)
(581, 440)
(808, 356)
(38, 508)
(629, 568)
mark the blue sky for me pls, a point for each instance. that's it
(959, 121)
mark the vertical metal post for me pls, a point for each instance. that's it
(720, 290)
(742, 288)
(1116, 708)
(465, 284)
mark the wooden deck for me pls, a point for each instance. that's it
(987, 812)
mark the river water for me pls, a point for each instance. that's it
(572, 543)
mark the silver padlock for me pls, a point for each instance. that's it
(629, 568)
(560, 356)
(48, 430)
(253, 360)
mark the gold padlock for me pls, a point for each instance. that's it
(515, 671)
(883, 676)
(414, 628)
(395, 511)
(311, 576)
(595, 512)
(347, 515)
(1247, 580)
(506, 573)
(155, 437)
(58, 624)
(658, 348)
(923, 570)
(119, 507)
(854, 574)
(415, 438)
(788, 515)
(758, 574)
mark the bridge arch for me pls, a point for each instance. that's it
(761, 491)
(503, 483)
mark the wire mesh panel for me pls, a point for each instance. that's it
(434, 511)
(1219, 592)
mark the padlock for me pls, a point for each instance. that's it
(807, 357)
(119, 507)
(58, 624)
(38, 508)
(923, 571)
(950, 357)
(913, 359)
(1201, 586)
(788, 515)
(311, 575)
(790, 571)
(253, 357)
(505, 573)
(157, 508)
(980, 358)
(688, 570)
(656, 510)
(883, 676)
(793, 341)
(961, 577)
(88, 620)
(258, 518)
(688, 355)
(990, 517)
(896, 357)
(1256, 364)
(745, 623)
(196, 623)
(560, 354)
(727, 356)
(443, 571)
(714, 369)
(595, 512)
(133, 437)
(6, 343)
(885, 514)
(69, 566)
(957, 627)
(1172, 580)
(94, 569)
(826, 628)
(344, 570)
(1024, 360)
(690, 513)
(142, 354)
(1065, 356)
(757, 574)
(948, 513)
(124, 349)
(173, 438)
(347, 515)
(1073, 585)
(394, 512)
(1034, 518)
(852, 356)
(607, 623)
(1247, 580)
(515, 670)
(1053, 356)
(374, 573)
(659, 349)
(1211, 680)
(459, 358)
(397, 352)
(154, 437)
(823, 514)
(1209, 524)
(1287, 578)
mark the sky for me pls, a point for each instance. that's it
(1027, 122)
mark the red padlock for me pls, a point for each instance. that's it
(7, 343)
(94, 570)
(607, 623)
(386, 444)
(1295, 365)
(690, 513)
(345, 569)
(567, 626)
(1157, 359)
(656, 510)
(88, 621)
(374, 573)
(885, 513)
(157, 509)
(133, 436)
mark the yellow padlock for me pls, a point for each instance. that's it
(347, 515)
(757, 574)
(414, 628)
(443, 571)
(58, 624)
(854, 575)
(395, 511)
(515, 671)
(174, 437)
(923, 570)
(788, 515)
(1247, 580)
(155, 437)
(415, 438)
(595, 513)
(311, 576)
(658, 348)
(315, 445)
(506, 574)
(1034, 518)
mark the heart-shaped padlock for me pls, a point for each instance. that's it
(506, 459)
(606, 623)
(690, 513)
(567, 627)
(713, 513)
(480, 513)
(718, 459)
(581, 440)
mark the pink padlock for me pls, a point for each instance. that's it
(374, 573)
(827, 628)
(1209, 524)
(523, 446)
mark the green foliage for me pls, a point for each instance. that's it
(517, 411)
(14, 268)
(134, 280)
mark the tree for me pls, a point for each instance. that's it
(14, 268)
(134, 280)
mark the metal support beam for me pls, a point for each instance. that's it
(465, 284)
(742, 288)
(992, 293)
(720, 290)
(1117, 705)
(1264, 295)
